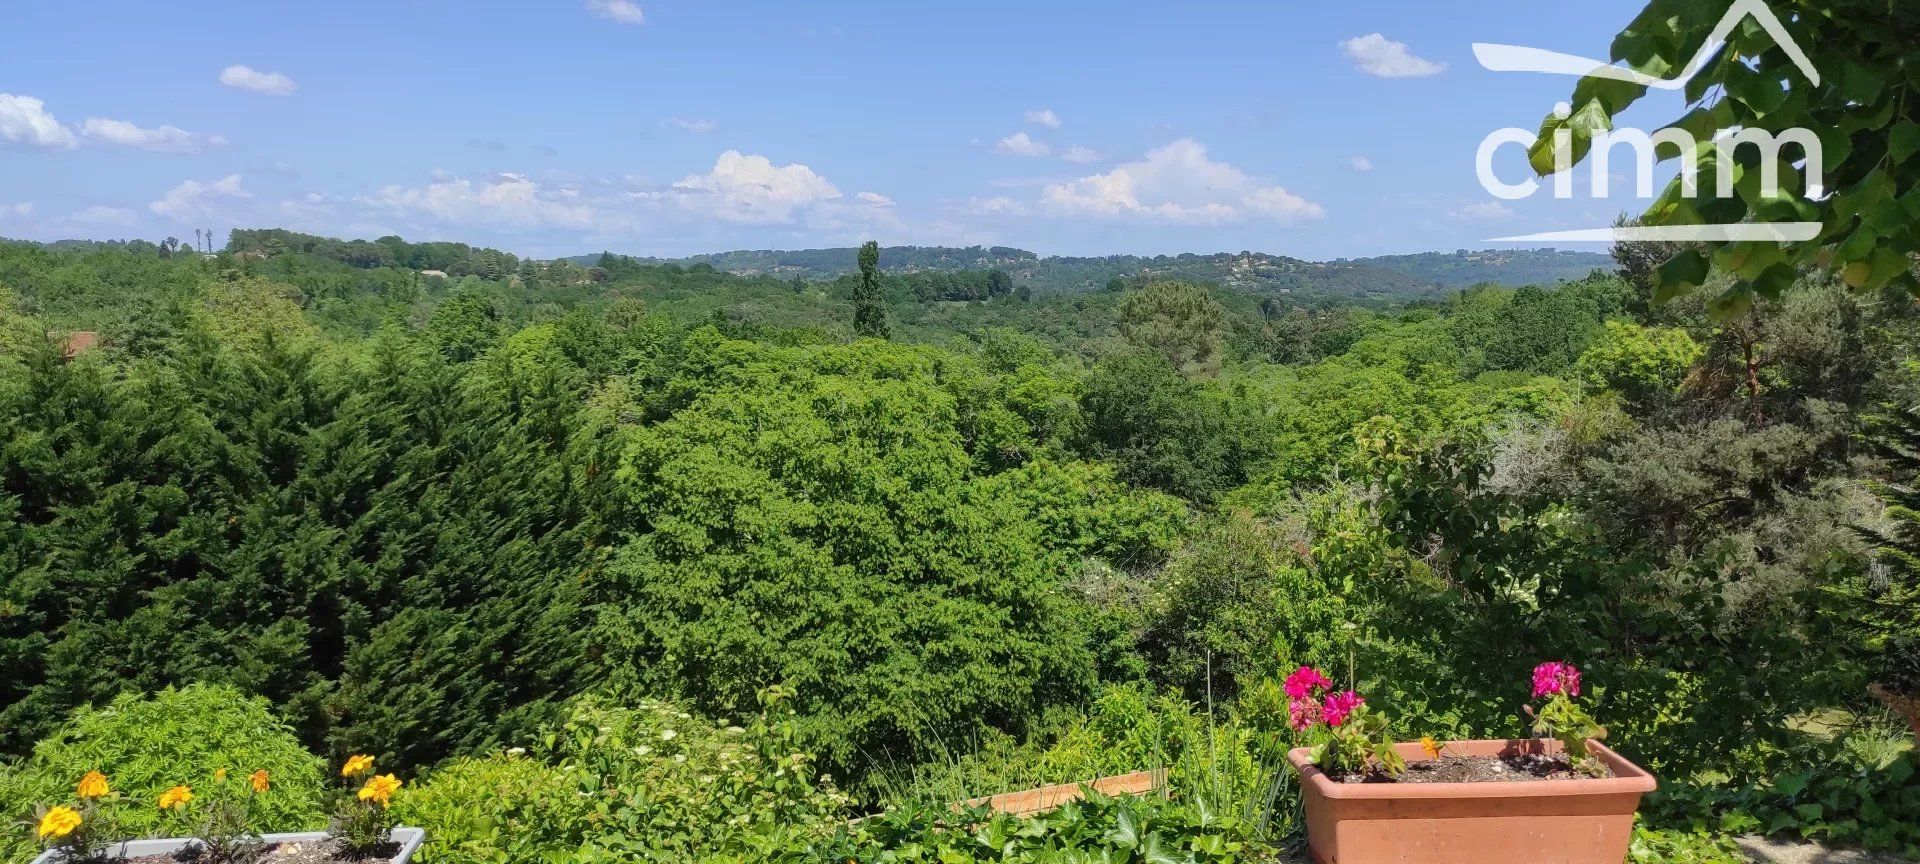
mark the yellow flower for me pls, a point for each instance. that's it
(220, 775)
(259, 780)
(94, 785)
(356, 766)
(59, 822)
(380, 789)
(178, 796)
(1432, 747)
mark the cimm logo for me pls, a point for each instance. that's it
(1646, 146)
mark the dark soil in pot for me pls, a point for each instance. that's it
(1517, 768)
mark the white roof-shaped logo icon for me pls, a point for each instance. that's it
(1516, 58)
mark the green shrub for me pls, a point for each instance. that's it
(508, 807)
(647, 783)
(1681, 847)
(1101, 828)
(146, 744)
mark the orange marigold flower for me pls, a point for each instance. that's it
(356, 765)
(259, 780)
(94, 785)
(1431, 746)
(380, 789)
(59, 822)
(178, 796)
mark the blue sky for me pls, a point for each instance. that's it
(670, 126)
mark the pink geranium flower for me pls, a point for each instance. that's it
(1306, 682)
(1302, 714)
(1554, 678)
(1339, 705)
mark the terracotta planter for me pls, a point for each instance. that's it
(408, 838)
(1905, 706)
(1522, 822)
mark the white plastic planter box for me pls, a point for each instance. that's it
(408, 838)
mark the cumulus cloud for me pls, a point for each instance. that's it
(247, 78)
(1044, 117)
(1178, 184)
(196, 200)
(998, 205)
(698, 126)
(1021, 144)
(1361, 164)
(1484, 210)
(1081, 155)
(874, 198)
(1381, 57)
(623, 11)
(23, 208)
(25, 120)
(165, 139)
(501, 199)
(99, 215)
(752, 190)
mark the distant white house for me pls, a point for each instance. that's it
(437, 274)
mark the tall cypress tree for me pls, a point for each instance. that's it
(869, 310)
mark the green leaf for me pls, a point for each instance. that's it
(1861, 84)
(1761, 93)
(1775, 280)
(1887, 263)
(1681, 272)
(1731, 303)
(1126, 830)
(1903, 141)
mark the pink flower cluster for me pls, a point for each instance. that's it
(1310, 703)
(1555, 678)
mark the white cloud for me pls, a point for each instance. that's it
(1082, 155)
(509, 199)
(623, 11)
(874, 198)
(1044, 117)
(1178, 184)
(25, 120)
(1484, 210)
(700, 126)
(1361, 164)
(195, 200)
(1381, 57)
(750, 189)
(98, 215)
(246, 78)
(1020, 144)
(165, 139)
(24, 208)
(998, 205)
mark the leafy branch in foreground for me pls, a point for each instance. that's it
(1859, 101)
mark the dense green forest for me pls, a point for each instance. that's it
(1396, 277)
(617, 560)
(1026, 539)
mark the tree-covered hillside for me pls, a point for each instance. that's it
(1397, 277)
(532, 525)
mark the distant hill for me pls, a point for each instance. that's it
(1389, 277)
(1504, 266)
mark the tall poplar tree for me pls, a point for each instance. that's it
(869, 309)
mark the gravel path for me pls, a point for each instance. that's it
(1773, 850)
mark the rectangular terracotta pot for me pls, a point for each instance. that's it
(408, 838)
(1520, 822)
